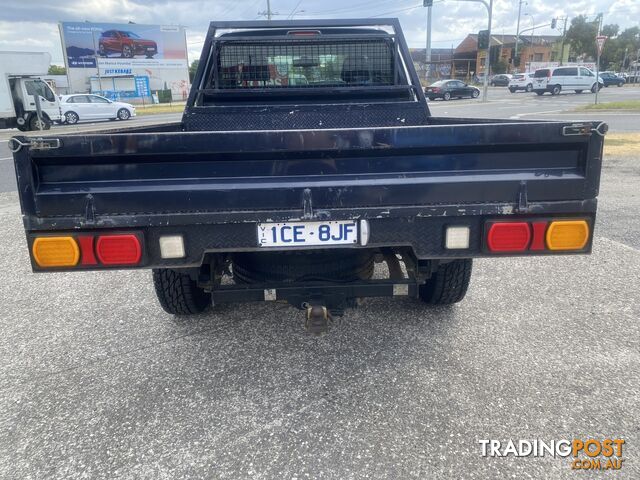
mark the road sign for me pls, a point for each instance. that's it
(600, 39)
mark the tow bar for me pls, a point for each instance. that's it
(319, 320)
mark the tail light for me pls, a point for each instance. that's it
(86, 250)
(509, 237)
(55, 252)
(436, 89)
(567, 235)
(537, 235)
(118, 249)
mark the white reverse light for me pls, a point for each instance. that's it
(457, 238)
(172, 246)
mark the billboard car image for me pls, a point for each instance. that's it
(125, 44)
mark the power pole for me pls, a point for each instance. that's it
(564, 33)
(518, 30)
(268, 9)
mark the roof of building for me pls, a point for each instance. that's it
(470, 43)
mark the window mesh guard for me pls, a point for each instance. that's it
(305, 64)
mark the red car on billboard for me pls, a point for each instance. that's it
(127, 44)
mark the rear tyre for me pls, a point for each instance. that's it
(530, 88)
(71, 118)
(620, 84)
(448, 284)
(512, 90)
(578, 91)
(555, 90)
(178, 294)
(446, 96)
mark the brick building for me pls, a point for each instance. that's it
(468, 60)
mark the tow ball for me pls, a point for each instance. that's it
(319, 320)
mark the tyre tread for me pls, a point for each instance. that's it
(448, 284)
(177, 293)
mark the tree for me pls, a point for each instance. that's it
(57, 70)
(192, 69)
(582, 37)
(499, 67)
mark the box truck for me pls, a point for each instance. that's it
(21, 90)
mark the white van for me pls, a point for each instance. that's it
(555, 80)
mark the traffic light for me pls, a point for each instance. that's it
(483, 39)
(554, 22)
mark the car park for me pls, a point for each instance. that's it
(521, 81)
(87, 106)
(448, 89)
(610, 78)
(558, 79)
(500, 80)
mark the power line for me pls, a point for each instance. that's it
(294, 9)
(397, 11)
(357, 6)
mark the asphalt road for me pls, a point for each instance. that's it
(98, 382)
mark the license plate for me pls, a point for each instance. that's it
(301, 234)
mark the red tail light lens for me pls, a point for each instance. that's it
(509, 237)
(119, 249)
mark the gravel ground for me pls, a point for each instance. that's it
(97, 382)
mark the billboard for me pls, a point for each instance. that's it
(114, 47)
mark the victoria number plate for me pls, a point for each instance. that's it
(301, 234)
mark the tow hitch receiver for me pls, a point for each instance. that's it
(319, 320)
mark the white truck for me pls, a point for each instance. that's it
(21, 90)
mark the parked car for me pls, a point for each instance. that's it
(94, 107)
(500, 80)
(554, 80)
(521, 81)
(610, 78)
(271, 192)
(127, 44)
(448, 89)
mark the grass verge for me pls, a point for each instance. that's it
(162, 108)
(633, 105)
(622, 144)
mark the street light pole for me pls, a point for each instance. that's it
(428, 53)
(485, 86)
(518, 28)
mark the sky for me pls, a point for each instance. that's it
(31, 25)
